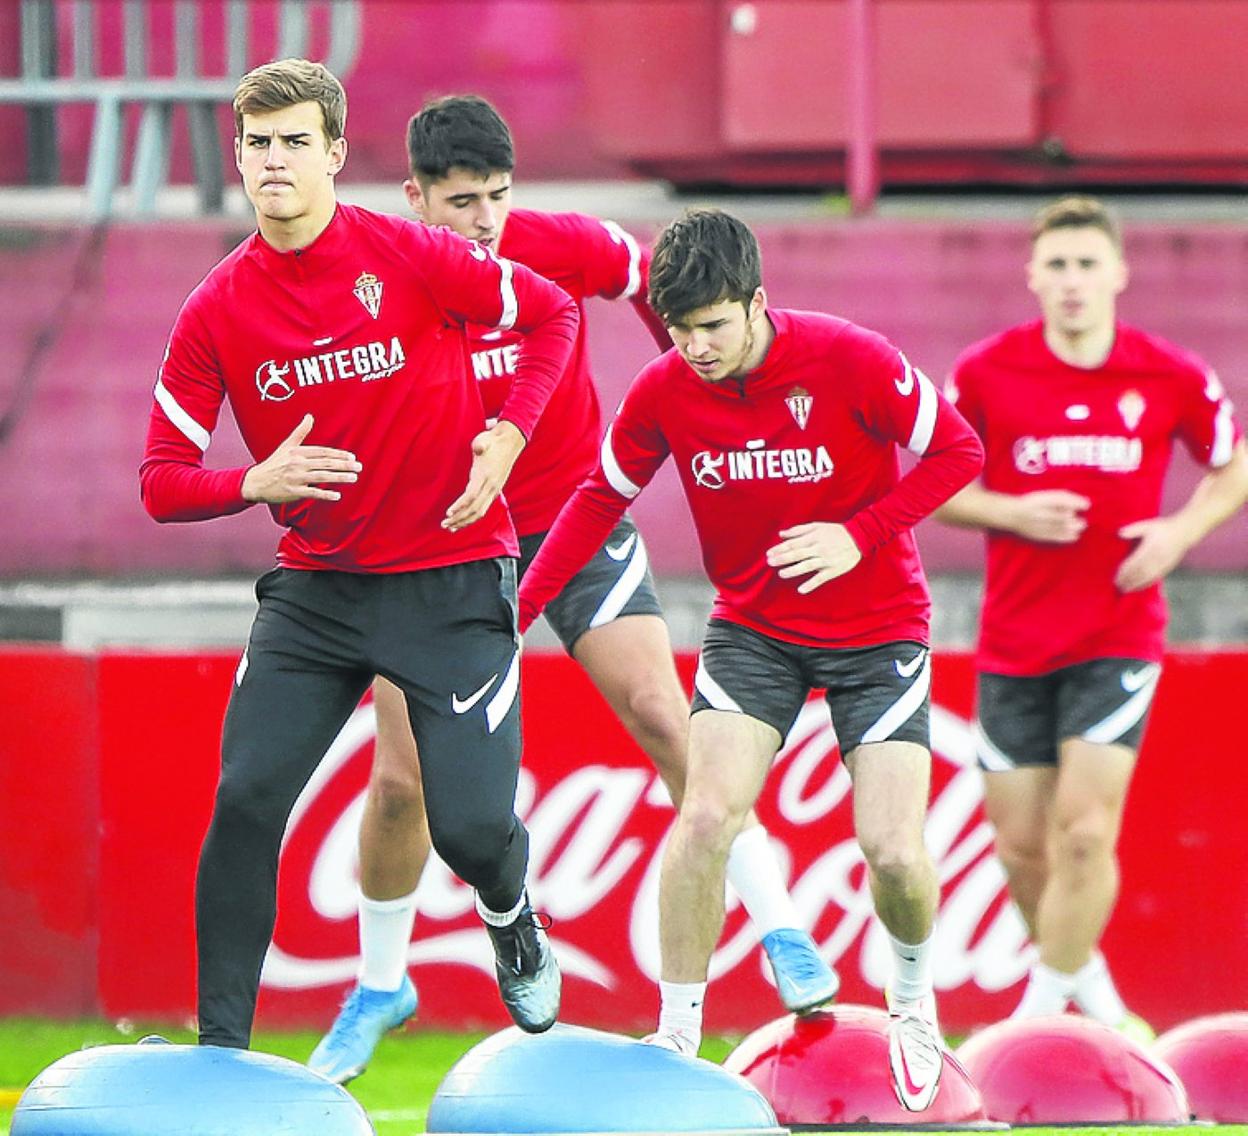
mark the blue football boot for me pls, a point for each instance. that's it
(344, 1053)
(804, 980)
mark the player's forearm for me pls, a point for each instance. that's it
(1218, 497)
(173, 482)
(975, 507)
(584, 522)
(175, 491)
(655, 326)
(938, 475)
(547, 348)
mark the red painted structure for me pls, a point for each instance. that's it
(109, 763)
(1031, 92)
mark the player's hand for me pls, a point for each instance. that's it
(494, 452)
(294, 471)
(821, 550)
(1162, 544)
(1053, 516)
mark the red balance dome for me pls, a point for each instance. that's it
(1070, 1070)
(832, 1068)
(1210, 1055)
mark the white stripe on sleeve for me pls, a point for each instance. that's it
(507, 286)
(1223, 436)
(179, 417)
(621, 236)
(616, 477)
(925, 419)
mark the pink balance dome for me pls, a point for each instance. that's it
(1210, 1055)
(831, 1067)
(1068, 1069)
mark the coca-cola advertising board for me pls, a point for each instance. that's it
(598, 817)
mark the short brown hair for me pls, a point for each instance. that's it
(1077, 212)
(703, 257)
(288, 82)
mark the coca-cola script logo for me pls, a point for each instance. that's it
(597, 826)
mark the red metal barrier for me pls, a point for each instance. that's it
(49, 832)
(597, 817)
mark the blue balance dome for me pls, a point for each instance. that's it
(572, 1079)
(184, 1090)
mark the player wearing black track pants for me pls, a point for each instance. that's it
(337, 336)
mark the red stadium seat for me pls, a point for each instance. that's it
(832, 1068)
(1070, 1070)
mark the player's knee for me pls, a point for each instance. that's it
(897, 861)
(1021, 856)
(474, 849)
(396, 796)
(252, 801)
(1083, 839)
(661, 714)
(709, 824)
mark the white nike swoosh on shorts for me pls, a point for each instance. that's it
(1133, 681)
(906, 670)
(462, 706)
(621, 550)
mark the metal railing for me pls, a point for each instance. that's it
(45, 85)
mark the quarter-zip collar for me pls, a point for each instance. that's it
(324, 251)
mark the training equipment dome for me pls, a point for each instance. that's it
(184, 1090)
(831, 1067)
(571, 1079)
(1210, 1056)
(1069, 1069)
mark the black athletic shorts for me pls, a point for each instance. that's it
(445, 636)
(616, 582)
(875, 694)
(1023, 720)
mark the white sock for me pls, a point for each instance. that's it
(754, 874)
(385, 932)
(912, 970)
(1095, 993)
(1047, 992)
(500, 918)
(680, 1009)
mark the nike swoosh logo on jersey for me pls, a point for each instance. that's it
(906, 670)
(463, 705)
(621, 550)
(1132, 681)
(906, 385)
